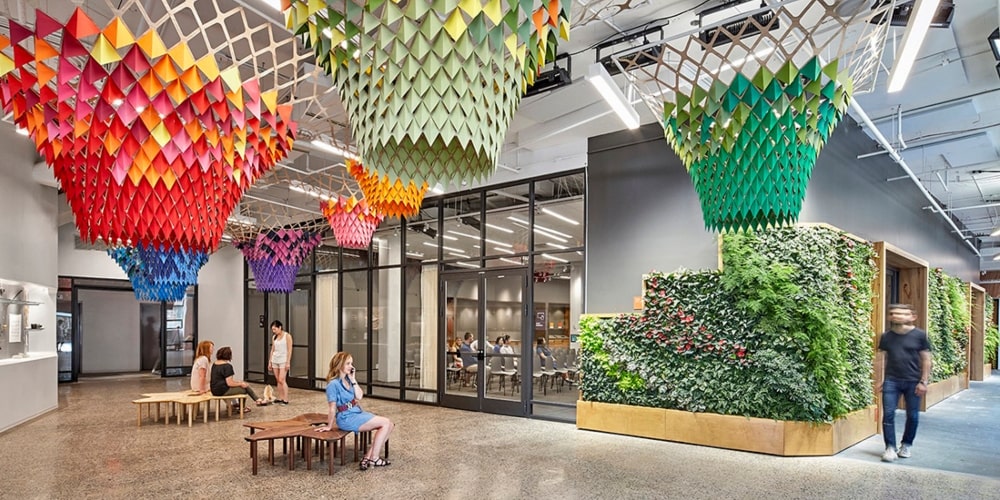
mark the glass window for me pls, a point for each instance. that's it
(421, 326)
(421, 235)
(460, 238)
(507, 221)
(327, 293)
(559, 213)
(558, 292)
(299, 326)
(386, 327)
(354, 318)
(386, 244)
(355, 259)
(327, 255)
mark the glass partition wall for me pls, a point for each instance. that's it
(386, 304)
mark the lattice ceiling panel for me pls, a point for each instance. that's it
(585, 12)
(747, 105)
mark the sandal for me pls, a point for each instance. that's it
(379, 462)
(364, 464)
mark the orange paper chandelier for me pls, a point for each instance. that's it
(151, 146)
(387, 197)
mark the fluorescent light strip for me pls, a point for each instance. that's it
(512, 261)
(434, 245)
(557, 259)
(553, 245)
(601, 80)
(477, 238)
(913, 38)
(543, 228)
(560, 217)
(449, 238)
(465, 264)
(504, 250)
(415, 254)
(330, 148)
(459, 254)
(500, 228)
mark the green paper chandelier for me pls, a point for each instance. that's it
(750, 146)
(430, 86)
(748, 104)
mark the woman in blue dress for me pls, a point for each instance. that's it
(344, 395)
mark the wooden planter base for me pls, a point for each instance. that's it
(774, 437)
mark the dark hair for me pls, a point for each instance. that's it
(468, 335)
(906, 307)
(277, 323)
(224, 354)
(499, 339)
(540, 341)
(506, 338)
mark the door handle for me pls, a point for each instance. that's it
(480, 355)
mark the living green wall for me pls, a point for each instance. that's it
(992, 335)
(948, 324)
(783, 331)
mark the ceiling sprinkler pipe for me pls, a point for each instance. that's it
(860, 114)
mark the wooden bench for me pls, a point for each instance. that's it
(189, 401)
(300, 428)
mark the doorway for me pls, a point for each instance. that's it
(480, 307)
(293, 311)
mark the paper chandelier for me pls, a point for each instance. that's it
(151, 146)
(389, 198)
(430, 86)
(159, 273)
(352, 221)
(275, 257)
(750, 146)
(748, 103)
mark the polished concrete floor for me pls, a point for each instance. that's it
(91, 448)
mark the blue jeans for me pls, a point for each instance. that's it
(891, 390)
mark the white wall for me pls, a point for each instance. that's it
(220, 303)
(28, 246)
(85, 263)
(110, 333)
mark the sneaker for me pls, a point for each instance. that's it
(904, 451)
(889, 455)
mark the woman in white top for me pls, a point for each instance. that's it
(200, 379)
(280, 360)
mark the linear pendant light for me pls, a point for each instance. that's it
(601, 80)
(913, 38)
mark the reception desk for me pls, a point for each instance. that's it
(28, 388)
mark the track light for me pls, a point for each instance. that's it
(601, 80)
(913, 38)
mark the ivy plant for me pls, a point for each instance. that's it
(948, 324)
(992, 335)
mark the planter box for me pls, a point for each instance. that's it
(774, 437)
(987, 371)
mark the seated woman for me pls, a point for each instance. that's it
(223, 383)
(344, 396)
(202, 364)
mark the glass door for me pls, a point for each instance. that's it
(481, 341)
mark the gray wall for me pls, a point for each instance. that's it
(643, 213)
(110, 332)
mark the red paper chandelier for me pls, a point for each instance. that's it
(151, 146)
(352, 220)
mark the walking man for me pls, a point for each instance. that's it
(904, 358)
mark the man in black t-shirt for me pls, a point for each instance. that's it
(904, 358)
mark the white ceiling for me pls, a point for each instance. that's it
(949, 106)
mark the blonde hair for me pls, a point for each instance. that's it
(337, 363)
(204, 349)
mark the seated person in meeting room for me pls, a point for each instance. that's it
(544, 353)
(202, 364)
(469, 363)
(223, 381)
(344, 395)
(498, 346)
(453, 351)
